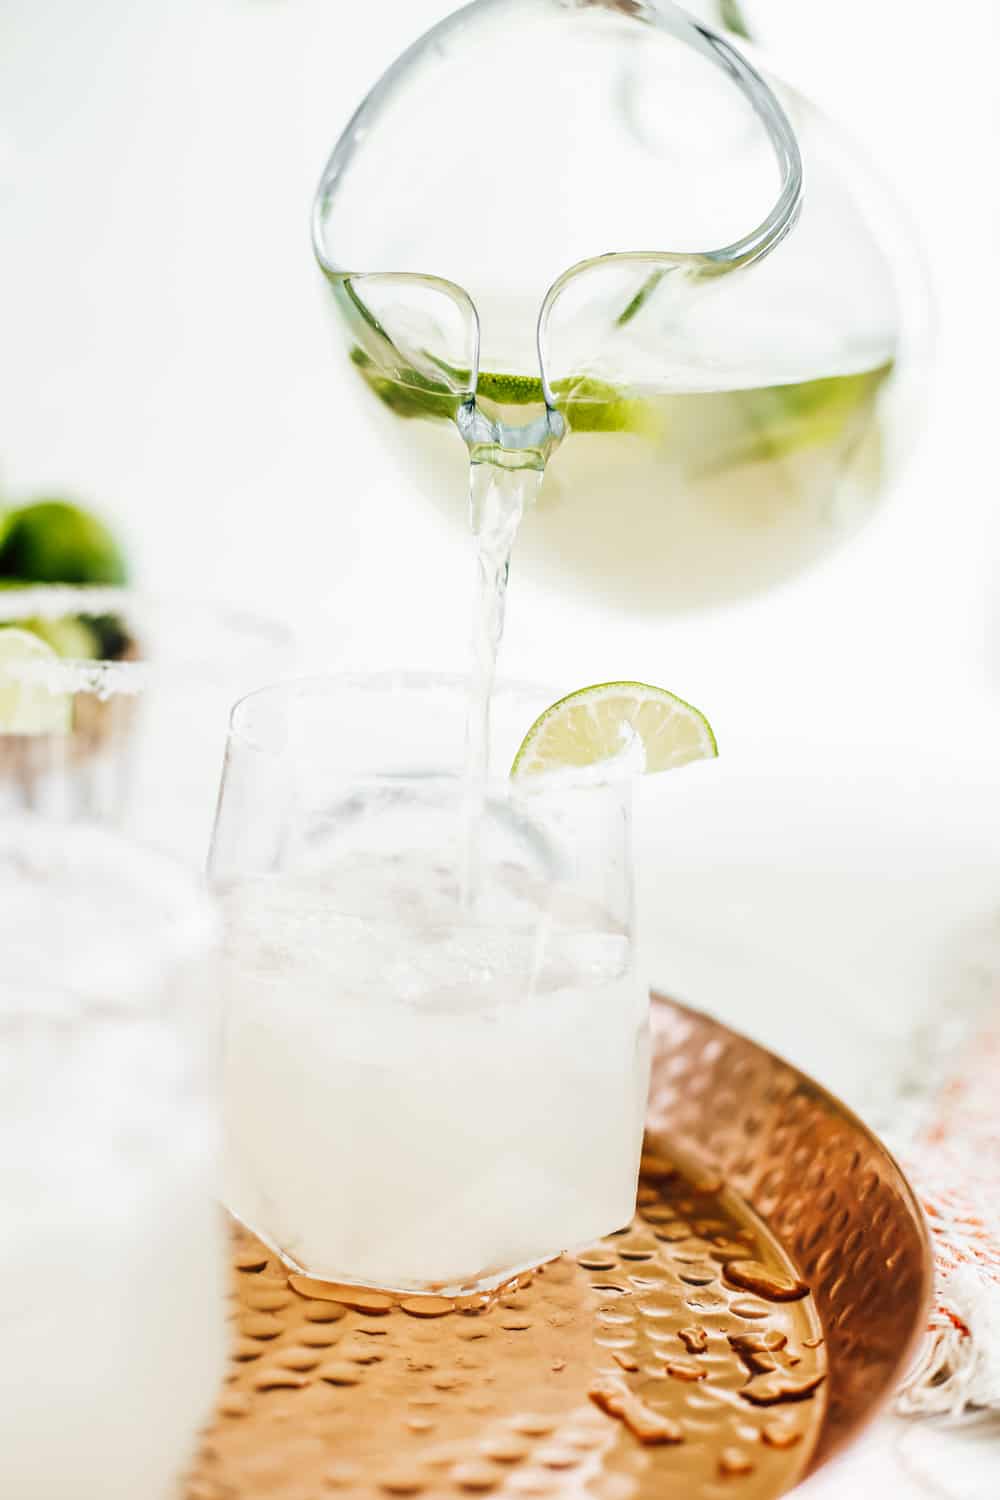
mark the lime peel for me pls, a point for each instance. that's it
(595, 724)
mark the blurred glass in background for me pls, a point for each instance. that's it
(114, 706)
(110, 1235)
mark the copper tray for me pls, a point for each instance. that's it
(755, 1315)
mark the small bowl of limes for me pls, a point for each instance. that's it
(113, 702)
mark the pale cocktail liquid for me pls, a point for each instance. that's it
(660, 502)
(419, 1101)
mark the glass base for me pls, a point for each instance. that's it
(488, 1282)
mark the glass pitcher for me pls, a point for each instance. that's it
(588, 241)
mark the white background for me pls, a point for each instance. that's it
(164, 351)
(164, 355)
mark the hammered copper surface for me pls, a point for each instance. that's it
(822, 1183)
(682, 1357)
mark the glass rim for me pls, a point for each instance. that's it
(404, 680)
(107, 677)
(415, 683)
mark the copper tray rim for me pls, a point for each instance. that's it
(820, 1460)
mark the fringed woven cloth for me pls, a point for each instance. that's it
(954, 1165)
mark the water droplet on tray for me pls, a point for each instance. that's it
(756, 1350)
(686, 1369)
(612, 1397)
(764, 1281)
(770, 1390)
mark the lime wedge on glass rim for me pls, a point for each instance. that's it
(29, 704)
(597, 724)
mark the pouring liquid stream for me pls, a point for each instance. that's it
(498, 497)
(499, 493)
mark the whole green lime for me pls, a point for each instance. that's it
(53, 541)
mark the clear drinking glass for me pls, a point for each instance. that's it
(110, 1234)
(436, 1056)
(595, 239)
(121, 715)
